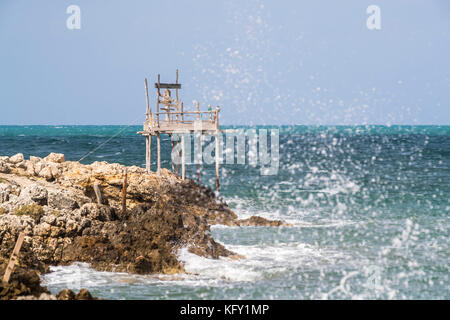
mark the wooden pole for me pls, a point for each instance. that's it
(183, 164)
(158, 145)
(176, 81)
(173, 145)
(14, 257)
(124, 192)
(98, 193)
(217, 160)
(157, 100)
(179, 154)
(147, 102)
(199, 155)
(148, 154)
(217, 148)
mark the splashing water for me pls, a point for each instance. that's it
(369, 208)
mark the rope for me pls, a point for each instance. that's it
(102, 144)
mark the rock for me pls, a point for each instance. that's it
(98, 212)
(30, 168)
(55, 157)
(34, 159)
(46, 173)
(66, 294)
(4, 167)
(16, 158)
(62, 200)
(255, 221)
(36, 193)
(5, 191)
(84, 295)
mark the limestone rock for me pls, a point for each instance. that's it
(34, 159)
(55, 157)
(36, 193)
(4, 167)
(16, 158)
(62, 200)
(46, 173)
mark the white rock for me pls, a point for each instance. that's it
(55, 157)
(4, 167)
(34, 159)
(46, 173)
(16, 158)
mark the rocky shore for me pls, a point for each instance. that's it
(54, 203)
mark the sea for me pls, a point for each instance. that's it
(369, 208)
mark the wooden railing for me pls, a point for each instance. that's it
(186, 117)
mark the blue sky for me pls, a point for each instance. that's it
(263, 62)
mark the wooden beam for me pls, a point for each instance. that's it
(98, 193)
(148, 113)
(14, 257)
(217, 161)
(157, 100)
(167, 85)
(172, 143)
(176, 82)
(148, 153)
(158, 145)
(183, 164)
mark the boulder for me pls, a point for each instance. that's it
(62, 200)
(55, 157)
(16, 158)
(36, 193)
(46, 173)
(34, 159)
(4, 167)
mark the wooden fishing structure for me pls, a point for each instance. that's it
(171, 118)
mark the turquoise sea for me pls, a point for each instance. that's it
(369, 205)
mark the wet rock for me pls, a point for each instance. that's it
(255, 221)
(84, 295)
(66, 294)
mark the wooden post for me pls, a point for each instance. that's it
(176, 81)
(179, 154)
(199, 166)
(124, 192)
(98, 193)
(172, 143)
(217, 160)
(183, 164)
(148, 154)
(14, 257)
(217, 148)
(158, 145)
(157, 100)
(148, 113)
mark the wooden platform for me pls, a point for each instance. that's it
(171, 118)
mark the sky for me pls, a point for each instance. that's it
(263, 62)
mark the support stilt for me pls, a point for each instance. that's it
(183, 163)
(158, 145)
(217, 161)
(148, 153)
